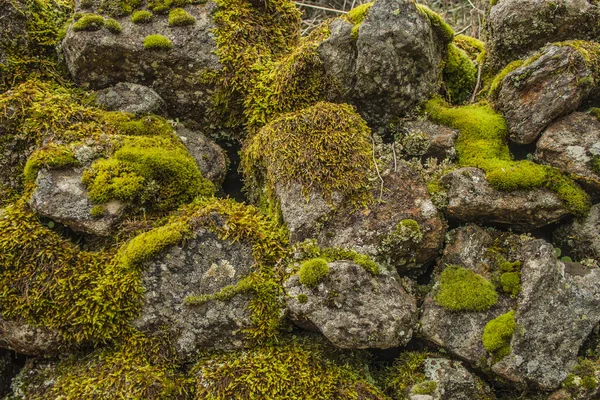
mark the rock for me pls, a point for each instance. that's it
(472, 199)
(516, 27)
(8, 370)
(572, 144)
(537, 93)
(26, 339)
(35, 378)
(61, 196)
(338, 55)
(209, 156)
(202, 265)
(557, 308)
(131, 98)
(13, 25)
(426, 139)
(353, 308)
(99, 59)
(581, 238)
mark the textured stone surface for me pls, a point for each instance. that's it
(581, 238)
(200, 266)
(472, 199)
(536, 94)
(209, 156)
(426, 139)
(570, 144)
(355, 309)
(12, 26)
(131, 97)
(26, 339)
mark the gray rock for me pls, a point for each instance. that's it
(516, 27)
(35, 379)
(426, 139)
(200, 266)
(26, 339)
(534, 95)
(60, 195)
(99, 59)
(210, 158)
(132, 98)
(557, 308)
(355, 309)
(570, 144)
(472, 199)
(338, 54)
(12, 27)
(581, 238)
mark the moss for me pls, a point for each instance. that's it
(160, 6)
(180, 17)
(356, 16)
(309, 249)
(406, 371)
(312, 272)
(157, 42)
(51, 156)
(439, 26)
(89, 22)
(326, 148)
(461, 289)
(425, 387)
(583, 381)
(141, 17)
(511, 283)
(473, 47)
(459, 74)
(97, 211)
(398, 247)
(118, 8)
(302, 298)
(482, 144)
(499, 78)
(566, 259)
(596, 164)
(113, 26)
(498, 334)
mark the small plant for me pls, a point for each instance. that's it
(89, 22)
(463, 290)
(498, 333)
(113, 26)
(313, 271)
(302, 298)
(180, 17)
(157, 42)
(141, 17)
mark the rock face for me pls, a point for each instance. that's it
(556, 310)
(13, 26)
(353, 308)
(550, 87)
(60, 195)
(516, 27)
(202, 266)
(99, 59)
(425, 139)
(132, 98)
(572, 144)
(581, 238)
(26, 339)
(210, 158)
(472, 199)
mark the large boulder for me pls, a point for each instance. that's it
(572, 144)
(471, 198)
(581, 237)
(353, 308)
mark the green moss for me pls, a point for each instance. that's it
(459, 74)
(596, 164)
(583, 381)
(356, 16)
(312, 272)
(113, 26)
(498, 79)
(398, 247)
(89, 22)
(157, 42)
(566, 259)
(97, 211)
(309, 249)
(440, 27)
(118, 8)
(302, 298)
(180, 17)
(141, 17)
(406, 372)
(498, 334)
(511, 283)
(473, 47)
(51, 156)
(461, 289)
(425, 387)
(160, 6)
(482, 144)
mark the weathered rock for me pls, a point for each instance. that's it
(132, 98)
(472, 199)
(200, 266)
(534, 95)
(516, 27)
(572, 144)
(12, 28)
(426, 139)
(26, 339)
(61, 195)
(557, 308)
(99, 59)
(581, 238)
(353, 308)
(210, 158)
(338, 54)
(35, 378)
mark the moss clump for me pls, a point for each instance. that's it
(325, 148)
(180, 17)
(473, 47)
(50, 156)
(583, 381)
(511, 283)
(459, 74)
(302, 298)
(309, 249)
(461, 289)
(312, 272)
(498, 334)
(426, 387)
(157, 42)
(89, 22)
(482, 144)
(398, 247)
(113, 26)
(356, 16)
(141, 17)
(97, 211)
(440, 27)
(596, 164)
(160, 6)
(406, 372)
(118, 8)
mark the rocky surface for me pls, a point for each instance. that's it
(425, 139)
(13, 26)
(571, 144)
(23, 338)
(210, 158)
(8, 370)
(132, 98)
(472, 199)
(353, 308)
(537, 93)
(581, 238)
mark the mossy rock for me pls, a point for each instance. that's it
(461, 289)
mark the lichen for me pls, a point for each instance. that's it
(89, 22)
(498, 334)
(312, 272)
(356, 16)
(141, 17)
(461, 289)
(398, 247)
(180, 17)
(459, 75)
(157, 42)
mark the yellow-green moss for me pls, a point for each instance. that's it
(461, 289)
(482, 143)
(113, 26)
(425, 387)
(406, 371)
(498, 334)
(50, 156)
(312, 272)
(180, 17)
(498, 79)
(118, 8)
(97, 211)
(583, 381)
(141, 17)
(157, 42)
(356, 16)
(511, 283)
(89, 22)
(471, 46)
(459, 74)
(309, 249)
(302, 298)
(440, 27)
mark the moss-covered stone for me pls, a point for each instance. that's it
(89, 22)
(309, 250)
(313, 271)
(157, 42)
(440, 27)
(461, 289)
(356, 16)
(583, 381)
(459, 74)
(499, 78)
(118, 8)
(498, 333)
(398, 247)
